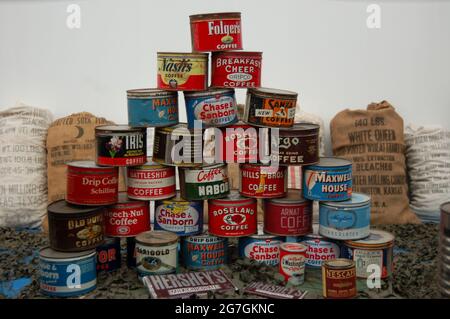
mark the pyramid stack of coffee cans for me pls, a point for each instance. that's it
(444, 251)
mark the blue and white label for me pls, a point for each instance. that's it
(327, 183)
(153, 111)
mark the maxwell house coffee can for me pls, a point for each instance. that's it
(204, 252)
(108, 255)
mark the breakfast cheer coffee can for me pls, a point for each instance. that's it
(262, 181)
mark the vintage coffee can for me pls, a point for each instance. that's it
(292, 262)
(262, 181)
(131, 252)
(339, 279)
(204, 252)
(108, 255)
(320, 249)
(239, 144)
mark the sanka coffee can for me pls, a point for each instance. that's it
(262, 181)
(292, 262)
(108, 255)
(204, 252)
(339, 279)
(239, 144)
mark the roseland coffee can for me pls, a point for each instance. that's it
(339, 279)
(292, 262)
(262, 181)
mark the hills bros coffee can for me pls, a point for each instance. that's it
(262, 181)
(339, 279)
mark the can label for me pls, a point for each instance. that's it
(265, 251)
(339, 284)
(236, 70)
(108, 255)
(262, 181)
(239, 144)
(292, 265)
(166, 149)
(216, 34)
(182, 73)
(296, 150)
(232, 220)
(131, 252)
(181, 218)
(206, 183)
(152, 111)
(156, 260)
(269, 111)
(204, 252)
(328, 184)
(152, 183)
(129, 149)
(127, 219)
(288, 219)
(319, 251)
(365, 257)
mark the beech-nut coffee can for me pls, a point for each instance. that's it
(239, 144)
(262, 181)
(292, 262)
(263, 248)
(339, 279)
(204, 252)
(108, 255)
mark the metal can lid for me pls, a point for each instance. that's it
(377, 238)
(339, 263)
(179, 129)
(331, 162)
(445, 208)
(203, 236)
(304, 128)
(204, 166)
(208, 92)
(216, 15)
(49, 253)
(293, 196)
(233, 198)
(156, 238)
(177, 199)
(294, 247)
(150, 164)
(273, 92)
(150, 92)
(90, 164)
(124, 200)
(62, 207)
(261, 235)
(118, 129)
(183, 54)
(357, 200)
(237, 54)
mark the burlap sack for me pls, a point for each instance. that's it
(373, 140)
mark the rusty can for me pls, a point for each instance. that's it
(239, 144)
(262, 181)
(339, 279)
(292, 262)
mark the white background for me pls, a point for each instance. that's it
(319, 48)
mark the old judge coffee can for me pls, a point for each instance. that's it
(339, 279)
(262, 181)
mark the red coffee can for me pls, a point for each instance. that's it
(239, 143)
(292, 262)
(262, 181)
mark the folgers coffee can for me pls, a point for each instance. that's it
(182, 71)
(328, 180)
(320, 249)
(65, 274)
(263, 248)
(156, 253)
(205, 182)
(152, 108)
(288, 216)
(377, 249)
(232, 216)
(270, 107)
(127, 218)
(298, 145)
(151, 181)
(108, 255)
(204, 252)
(262, 181)
(292, 262)
(216, 31)
(349, 219)
(239, 144)
(236, 69)
(91, 185)
(178, 146)
(74, 228)
(120, 145)
(179, 216)
(213, 108)
(339, 279)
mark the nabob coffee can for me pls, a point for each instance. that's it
(262, 181)
(339, 279)
(239, 144)
(292, 262)
(108, 255)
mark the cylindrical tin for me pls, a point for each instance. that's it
(152, 108)
(108, 255)
(156, 253)
(205, 182)
(131, 252)
(233, 216)
(346, 220)
(120, 145)
(178, 146)
(179, 216)
(377, 249)
(288, 216)
(213, 108)
(298, 145)
(328, 180)
(74, 228)
(263, 248)
(216, 31)
(292, 262)
(320, 249)
(262, 181)
(236, 69)
(270, 107)
(127, 218)
(339, 279)
(151, 181)
(182, 71)
(204, 252)
(91, 185)
(239, 144)
(67, 274)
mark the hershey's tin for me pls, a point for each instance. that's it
(339, 279)
(320, 249)
(262, 181)
(204, 252)
(108, 255)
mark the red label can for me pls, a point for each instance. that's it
(292, 262)
(239, 144)
(91, 185)
(233, 216)
(262, 181)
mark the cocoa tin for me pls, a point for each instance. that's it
(151, 181)
(179, 216)
(270, 107)
(216, 31)
(120, 145)
(239, 144)
(127, 218)
(263, 248)
(152, 108)
(232, 216)
(204, 252)
(292, 262)
(156, 253)
(262, 181)
(211, 108)
(339, 279)
(236, 69)
(182, 71)
(205, 182)
(74, 228)
(108, 255)
(91, 185)
(320, 249)
(288, 216)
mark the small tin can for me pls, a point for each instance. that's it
(270, 107)
(120, 145)
(263, 248)
(288, 216)
(151, 181)
(179, 216)
(91, 185)
(74, 228)
(131, 252)
(156, 253)
(320, 249)
(168, 142)
(346, 220)
(236, 69)
(205, 182)
(213, 108)
(262, 181)
(65, 274)
(216, 31)
(152, 108)
(108, 255)
(127, 218)
(339, 279)
(239, 144)
(182, 71)
(328, 180)
(377, 249)
(233, 216)
(204, 252)
(292, 262)
(298, 145)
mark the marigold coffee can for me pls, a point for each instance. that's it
(339, 279)
(262, 181)
(108, 255)
(292, 262)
